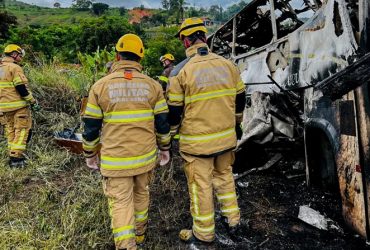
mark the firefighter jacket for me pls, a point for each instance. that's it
(163, 79)
(127, 113)
(14, 93)
(204, 95)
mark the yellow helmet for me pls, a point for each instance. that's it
(190, 26)
(131, 43)
(167, 57)
(14, 48)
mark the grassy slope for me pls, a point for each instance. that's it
(40, 16)
(56, 202)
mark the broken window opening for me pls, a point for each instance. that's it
(292, 14)
(337, 21)
(353, 11)
(254, 26)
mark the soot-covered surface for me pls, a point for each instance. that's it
(269, 203)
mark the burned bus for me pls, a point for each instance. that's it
(306, 64)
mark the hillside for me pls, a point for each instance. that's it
(40, 16)
(134, 3)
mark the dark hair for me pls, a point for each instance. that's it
(10, 53)
(129, 56)
(197, 35)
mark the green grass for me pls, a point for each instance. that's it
(40, 16)
(57, 202)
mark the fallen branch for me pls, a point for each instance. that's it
(263, 242)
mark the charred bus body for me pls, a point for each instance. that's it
(307, 69)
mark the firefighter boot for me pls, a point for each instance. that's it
(236, 232)
(140, 240)
(15, 162)
(187, 236)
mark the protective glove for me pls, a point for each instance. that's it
(164, 157)
(35, 107)
(93, 162)
(239, 131)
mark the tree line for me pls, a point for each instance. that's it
(63, 41)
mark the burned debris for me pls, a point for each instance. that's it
(254, 27)
(305, 64)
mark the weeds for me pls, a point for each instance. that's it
(56, 202)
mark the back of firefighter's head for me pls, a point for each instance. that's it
(167, 59)
(130, 47)
(192, 31)
(15, 52)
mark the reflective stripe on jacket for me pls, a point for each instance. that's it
(129, 104)
(206, 86)
(11, 75)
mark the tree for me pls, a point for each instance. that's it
(166, 4)
(56, 5)
(213, 10)
(7, 20)
(193, 12)
(181, 5)
(2, 4)
(156, 19)
(122, 11)
(202, 11)
(161, 43)
(102, 32)
(173, 6)
(233, 9)
(65, 40)
(99, 8)
(82, 4)
(178, 7)
(216, 12)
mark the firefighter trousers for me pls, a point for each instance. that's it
(18, 124)
(128, 199)
(203, 176)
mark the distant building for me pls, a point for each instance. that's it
(207, 21)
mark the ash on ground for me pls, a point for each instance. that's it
(269, 201)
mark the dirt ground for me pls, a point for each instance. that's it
(269, 204)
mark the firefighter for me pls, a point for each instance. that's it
(167, 61)
(127, 113)
(15, 99)
(206, 99)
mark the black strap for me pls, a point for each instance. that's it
(191, 26)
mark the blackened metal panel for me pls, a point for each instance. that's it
(364, 17)
(347, 118)
(346, 80)
(319, 48)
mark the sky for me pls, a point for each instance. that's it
(131, 3)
